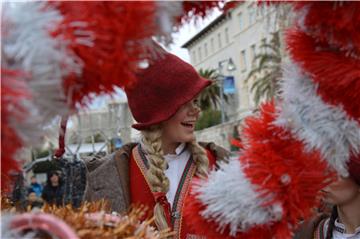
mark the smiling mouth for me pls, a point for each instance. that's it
(189, 125)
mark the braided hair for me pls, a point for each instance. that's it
(333, 216)
(156, 177)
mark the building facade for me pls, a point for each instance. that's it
(236, 34)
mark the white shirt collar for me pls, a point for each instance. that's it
(179, 149)
(339, 227)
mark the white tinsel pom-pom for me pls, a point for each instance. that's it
(321, 126)
(232, 200)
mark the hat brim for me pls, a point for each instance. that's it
(203, 83)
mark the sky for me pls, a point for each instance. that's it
(185, 33)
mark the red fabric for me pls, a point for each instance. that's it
(189, 224)
(338, 75)
(160, 197)
(117, 48)
(162, 89)
(140, 193)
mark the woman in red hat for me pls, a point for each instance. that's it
(344, 220)
(157, 171)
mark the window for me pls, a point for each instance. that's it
(241, 22)
(219, 39)
(243, 60)
(212, 45)
(205, 50)
(227, 35)
(199, 54)
(194, 56)
(252, 55)
(252, 15)
(261, 11)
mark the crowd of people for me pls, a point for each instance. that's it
(35, 194)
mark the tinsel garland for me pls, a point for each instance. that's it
(93, 220)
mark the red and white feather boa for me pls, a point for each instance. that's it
(290, 147)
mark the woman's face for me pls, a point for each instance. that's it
(54, 179)
(180, 127)
(342, 191)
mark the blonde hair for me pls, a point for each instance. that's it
(156, 177)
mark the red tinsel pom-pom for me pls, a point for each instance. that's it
(279, 164)
(338, 75)
(334, 22)
(110, 39)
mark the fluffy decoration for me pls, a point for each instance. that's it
(103, 37)
(28, 47)
(13, 91)
(334, 22)
(278, 162)
(237, 206)
(338, 84)
(198, 8)
(321, 126)
(265, 196)
(288, 147)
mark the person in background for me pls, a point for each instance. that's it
(344, 220)
(35, 186)
(33, 200)
(53, 192)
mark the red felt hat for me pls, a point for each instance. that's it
(161, 89)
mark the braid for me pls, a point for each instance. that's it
(156, 175)
(334, 215)
(200, 159)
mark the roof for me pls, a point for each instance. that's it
(205, 30)
(226, 8)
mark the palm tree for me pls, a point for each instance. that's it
(210, 96)
(267, 73)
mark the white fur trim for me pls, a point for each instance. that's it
(232, 200)
(321, 126)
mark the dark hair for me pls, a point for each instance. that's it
(53, 173)
(333, 216)
(30, 190)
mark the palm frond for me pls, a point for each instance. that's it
(267, 71)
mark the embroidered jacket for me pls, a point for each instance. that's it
(120, 178)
